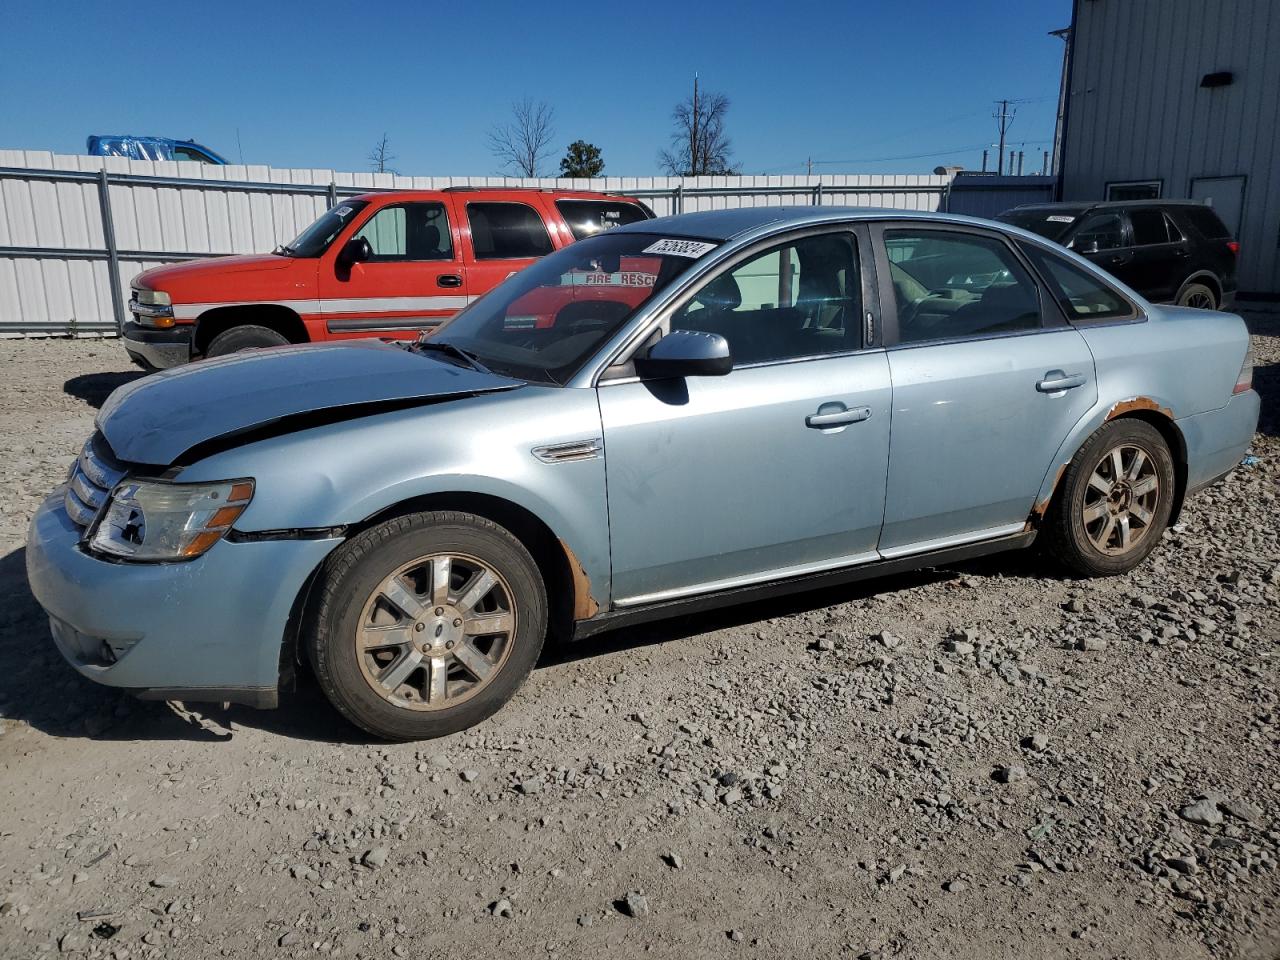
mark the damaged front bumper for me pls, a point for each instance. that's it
(210, 629)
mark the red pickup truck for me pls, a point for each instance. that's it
(382, 264)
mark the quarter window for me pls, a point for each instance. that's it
(1102, 231)
(958, 285)
(409, 231)
(797, 300)
(1082, 295)
(507, 231)
(586, 217)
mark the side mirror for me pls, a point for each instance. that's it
(686, 353)
(1089, 246)
(356, 250)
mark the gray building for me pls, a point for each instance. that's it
(1181, 99)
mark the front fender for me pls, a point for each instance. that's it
(344, 473)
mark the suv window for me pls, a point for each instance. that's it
(953, 285)
(1082, 295)
(800, 299)
(1208, 223)
(1149, 227)
(507, 231)
(188, 153)
(409, 231)
(1104, 229)
(586, 217)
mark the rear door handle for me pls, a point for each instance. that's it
(1056, 380)
(448, 280)
(837, 418)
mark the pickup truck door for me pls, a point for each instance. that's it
(415, 279)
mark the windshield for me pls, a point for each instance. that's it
(1052, 223)
(545, 322)
(315, 240)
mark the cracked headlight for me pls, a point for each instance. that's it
(150, 520)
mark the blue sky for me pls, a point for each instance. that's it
(861, 87)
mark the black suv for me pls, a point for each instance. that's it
(1170, 251)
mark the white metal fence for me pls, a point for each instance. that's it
(75, 230)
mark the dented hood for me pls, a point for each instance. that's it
(156, 419)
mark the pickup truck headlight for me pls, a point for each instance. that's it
(152, 521)
(156, 298)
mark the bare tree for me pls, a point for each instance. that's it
(381, 155)
(699, 145)
(524, 142)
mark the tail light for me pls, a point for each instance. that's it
(1234, 247)
(1244, 382)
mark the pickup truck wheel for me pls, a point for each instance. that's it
(244, 337)
(427, 624)
(1115, 501)
(1197, 295)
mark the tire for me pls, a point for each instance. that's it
(1198, 295)
(244, 337)
(385, 665)
(1079, 536)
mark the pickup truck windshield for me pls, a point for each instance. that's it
(545, 322)
(315, 240)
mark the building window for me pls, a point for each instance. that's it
(1135, 190)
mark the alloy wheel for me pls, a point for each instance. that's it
(1121, 498)
(1201, 301)
(436, 631)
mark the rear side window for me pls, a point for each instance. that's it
(957, 286)
(507, 231)
(1149, 227)
(1207, 223)
(1081, 295)
(586, 217)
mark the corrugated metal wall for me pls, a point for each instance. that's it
(70, 291)
(1137, 110)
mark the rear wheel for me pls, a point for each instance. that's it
(1115, 500)
(1198, 295)
(244, 337)
(427, 624)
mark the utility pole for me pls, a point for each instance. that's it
(695, 131)
(811, 166)
(1003, 117)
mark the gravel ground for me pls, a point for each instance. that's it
(980, 762)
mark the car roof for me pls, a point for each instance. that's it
(490, 192)
(1108, 204)
(724, 225)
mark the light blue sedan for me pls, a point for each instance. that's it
(670, 415)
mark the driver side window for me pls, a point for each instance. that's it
(951, 286)
(801, 299)
(1106, 230)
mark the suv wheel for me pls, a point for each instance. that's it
(244, 337)
(1197, 295)
(427, 624)
(1115, 501)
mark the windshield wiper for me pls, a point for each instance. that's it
(444, 346)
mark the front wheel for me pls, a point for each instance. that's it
(427, 624)
(244, 337)
(1116, 498)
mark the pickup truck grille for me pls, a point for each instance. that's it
(91, 482)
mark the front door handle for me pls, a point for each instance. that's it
(448, 280)
(1055, 381)
(837, 418)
